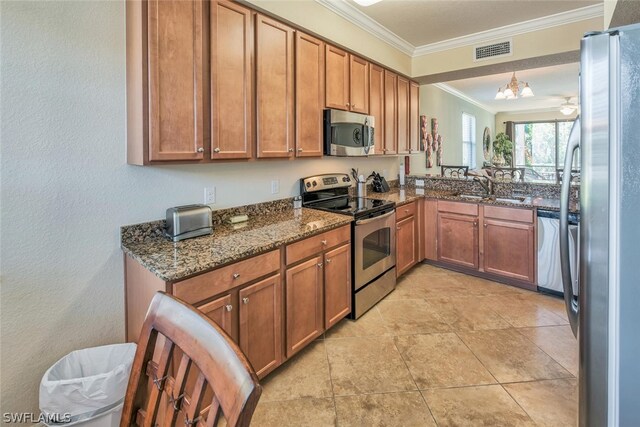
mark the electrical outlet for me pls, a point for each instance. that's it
(419, 182)
(209, 195)
(275, 186)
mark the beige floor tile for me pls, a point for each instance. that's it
(558, 342)
(551, 403)
(511, 357)
(295, 413)
(488, 287)
(522, 311)
(441, 360)
(549, 302)
(467, 314)
(475, 406)
(304, 375)
(367, 365)
(370, 324)
(422, 286)
(386, 409)
(411, 316)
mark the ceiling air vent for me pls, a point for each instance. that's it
(490, 51)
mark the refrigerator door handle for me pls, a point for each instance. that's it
(571, 302)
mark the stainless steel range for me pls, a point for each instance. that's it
(373, 236)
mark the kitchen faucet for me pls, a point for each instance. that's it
(486, 183)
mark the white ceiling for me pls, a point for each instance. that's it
(422, 22)
(550, 86)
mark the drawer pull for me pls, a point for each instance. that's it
(406, 211)
(319, 265)
(236, 275)
(200, 150)
(291, 150)
(216, 150)
(324, 242)
(485, 225)
(245, 300)
(327, 260)
(229, 307)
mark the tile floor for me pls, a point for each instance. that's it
(444, 349)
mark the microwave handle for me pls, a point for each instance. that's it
(367, 134)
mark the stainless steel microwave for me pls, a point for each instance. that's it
(348, 134)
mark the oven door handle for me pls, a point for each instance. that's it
(369, 220)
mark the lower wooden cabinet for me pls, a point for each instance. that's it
(510, 249)
(337, 285)
(405, 244)
(458, 241)
(304, 304)
(221, 311)
(260, 329)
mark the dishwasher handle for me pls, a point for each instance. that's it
(571, 302)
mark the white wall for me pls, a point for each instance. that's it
(66, 188)
(448, 109)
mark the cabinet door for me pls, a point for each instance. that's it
(458, 239)
(337, 78)
(376, 104)
(414, 117)
(221, 311)
(231, 81)
(406, 244)
(337, 284)
(176, 91)
(261, 324)
(509, 249)
(359, 85)
(403, 116)
(390, 113)
(304, 304)
(274, 88)
(309, 95)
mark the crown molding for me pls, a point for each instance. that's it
(537, 24)
(353, 15)
(464, 97)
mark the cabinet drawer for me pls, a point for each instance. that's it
(316, 244)
(405, 211)
(206, 285)
(458, 207)
(509, 214)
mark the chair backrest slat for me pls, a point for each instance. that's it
(158, 383)
(177, 392)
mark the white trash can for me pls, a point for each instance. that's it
(87, 387)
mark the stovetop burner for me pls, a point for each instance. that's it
(355, 206)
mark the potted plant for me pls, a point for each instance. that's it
(502, 150)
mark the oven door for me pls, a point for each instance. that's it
(374, 247)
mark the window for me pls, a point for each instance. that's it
(469, 140)
(541, 147)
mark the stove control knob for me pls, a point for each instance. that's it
(315, 183)
(308, 184)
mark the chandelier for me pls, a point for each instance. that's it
(511, 89)
(568, 107)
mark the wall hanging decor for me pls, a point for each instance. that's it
(486, 144)
(423, 133)
(434, 144)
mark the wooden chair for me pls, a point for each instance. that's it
(454, 171)
(508, 174)
(201, 346)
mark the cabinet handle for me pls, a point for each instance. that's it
(348, 105)
(236, 275)
(475, 223)
(229, 307)
(245, 300)
(200, 150)
(397, 227)
(384, 150)
(216, 150)
(485, 225)
(324, 242)
(291, 150)
(353, 106)
(299, 150)
(406, 211)
(319, 265)
(327, 261)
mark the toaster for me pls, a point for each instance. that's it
(185, 222)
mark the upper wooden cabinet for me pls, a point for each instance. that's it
(347, 81)
(231, 50)
(390, 113)
(376, 104)
(309, 95)
(359, 85)
(404, 144)
(414, 117)
(165, 81)
(274, 88)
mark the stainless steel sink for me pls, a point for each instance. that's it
(510, 200)
(514, 200)
(470, 196)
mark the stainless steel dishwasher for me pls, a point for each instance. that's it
(549, 270)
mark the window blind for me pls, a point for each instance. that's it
(469, 140)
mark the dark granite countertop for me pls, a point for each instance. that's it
(175, 261)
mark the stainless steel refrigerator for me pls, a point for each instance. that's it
(606, 315)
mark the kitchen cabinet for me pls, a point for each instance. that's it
(414, 117)
(509, 243)
(337, 284)
(304, 306)
(274, 88)
(458, 237)
(260, 329)
(309, 80)
(402, 113)
(231, 52)
(407, 246)
(390, 140)
(221, 311)
(347, 81)
(376, 104)
(430, 233)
